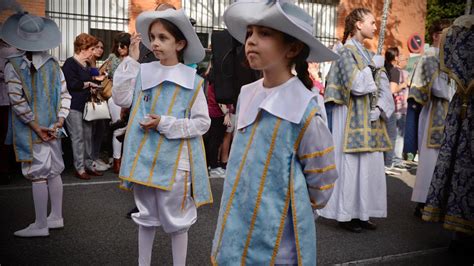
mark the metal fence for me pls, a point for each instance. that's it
(208, 15)
(102, 18)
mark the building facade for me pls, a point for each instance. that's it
(104, 18)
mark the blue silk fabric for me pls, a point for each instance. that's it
(149, 158)
(264, 180)
(42, 90)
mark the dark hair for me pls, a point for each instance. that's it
(437, 26)
(351, 19)
(391, 54)
(299, 61)
(99, 40)
(84, 41)
(174, 31)
(123, 38)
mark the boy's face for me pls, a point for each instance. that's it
(163, 44)
(266, 48)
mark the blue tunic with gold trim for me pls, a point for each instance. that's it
(274, 179)
(151, 159)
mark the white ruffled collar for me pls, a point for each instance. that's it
(154, 73)
(39, 58)
(287, 101)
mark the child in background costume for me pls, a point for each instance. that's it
(163, 154)
(40, 103)
(359, 91)
(432, 90)
(281, 165)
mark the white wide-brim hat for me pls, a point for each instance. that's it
(279, 15)
(30, 33)
(194, 52)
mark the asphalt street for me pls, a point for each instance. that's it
(97, 233)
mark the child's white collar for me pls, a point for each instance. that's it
(288, 101)
(38, 59)
(154, 73)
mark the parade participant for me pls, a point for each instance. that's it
(281, 165)
(415, 101)
(164, 158)
(452, 183)
(432, 89)
(362, 101)
(40, 103)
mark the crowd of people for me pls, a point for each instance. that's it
(291, 149)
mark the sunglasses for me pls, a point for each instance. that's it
(122, 46)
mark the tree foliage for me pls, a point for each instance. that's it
(442, 9)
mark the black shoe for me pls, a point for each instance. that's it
(129, 214)
(351, 226)
(368, 225)
(419, 210)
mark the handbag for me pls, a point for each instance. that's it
(106, 84)
(96, 109)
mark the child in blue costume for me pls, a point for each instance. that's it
(163, 155)
(40, 103)
(281, 165)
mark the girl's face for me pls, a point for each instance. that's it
(122, 50)
(265, 47)
(99, 50)
(367, 26)
(164, 44)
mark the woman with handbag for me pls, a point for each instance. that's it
(99, 127)
(119, 52)
(81, 87)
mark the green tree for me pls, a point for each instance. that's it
(442, 9)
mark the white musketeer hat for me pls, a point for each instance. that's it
(194, 52)
(30, 33)
(280, 15)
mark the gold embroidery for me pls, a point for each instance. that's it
(320, 170)
(161, 139)
(185, 195)
(20, 102)
(236, 182)
(317, 154)
(321, 188)
(260, 191)
(281, 227)
(145, 135)
(303, 130)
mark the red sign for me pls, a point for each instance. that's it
(415, 43)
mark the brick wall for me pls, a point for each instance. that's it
(36, 7)
(406, 17)
(138, 6)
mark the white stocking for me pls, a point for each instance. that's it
(55, 186)
(146, 236)
(40, 199)
(179, 245)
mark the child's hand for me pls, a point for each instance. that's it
(134, 47)
(45, 134)
(227, 121)
(151, 123)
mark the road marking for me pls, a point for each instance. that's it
(395, 257)
(65, 185)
